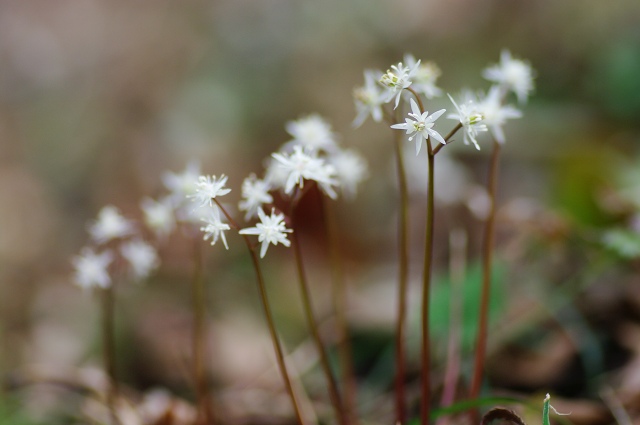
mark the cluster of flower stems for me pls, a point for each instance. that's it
(342, 390)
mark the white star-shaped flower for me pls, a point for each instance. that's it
(91, 268)
(350, 168)
(214, 227)
(397, 79)
(426, 75)
(159, 215)
(495, 114)
(470, 117)
(255, 193)
(303, 165)
(142, 257)
(511, 74)
(311, 132)
(368, 99)
(110, 225)
(271, 229)
(420, 125)
(182, 185)
(209, 188)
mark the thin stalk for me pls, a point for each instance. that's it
(334, 394)
(109, 351)
(425, 399)
(447, 137)
(403, 273)
(205, 412)
(457, 267)
(339, 298)
(282, 366)
(487, 256)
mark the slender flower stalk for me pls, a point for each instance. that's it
(280, 356)
(425, 400)
(457, 271)
(205, 412)
(334, 393)
(109, 349)
(403, 273)
(339, 298)
(487, 257)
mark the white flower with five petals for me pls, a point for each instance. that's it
(368, 99)
(271, 229)
(469, 115)
(142, 257)
(110, 225)
(209, 188)
(397, 79)
(214, 226)
(91, 269)
(420, 125)
(255, 193)
(511, 74)
(426, 75)
(302, 165)
(496, 114)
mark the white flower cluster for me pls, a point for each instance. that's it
(113, 238)
(312, 155)
(475, 113)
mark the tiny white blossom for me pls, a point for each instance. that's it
(511, 74)
(142, 257)
(426, 75)
(159, 215)
(350, 168)
(302, 164)
(182, 185)
(110, 225)
(275, 174)
(255, 193)
(397, 79)
(470, 117)
(311, 132)
(209, 188)
(368, 99)
(419, 125)
(214, 227)
(91, 268)
(271, 229)
(495, 114)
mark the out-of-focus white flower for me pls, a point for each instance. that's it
(511, 74)
(271, 229)
(426, 75)
(350, 168)
(209, 188)
(110, 225)
(184, 184)
(159, 215)
(142, 257)
(303, 165)
(419, 125)
(214, 227)
(397, 79)
(368, 99)
(311, 132)
(255, 193)
(275, 175)
(91, 268)
(468, 114)
(495, 114)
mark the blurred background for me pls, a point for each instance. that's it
(99, 98)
